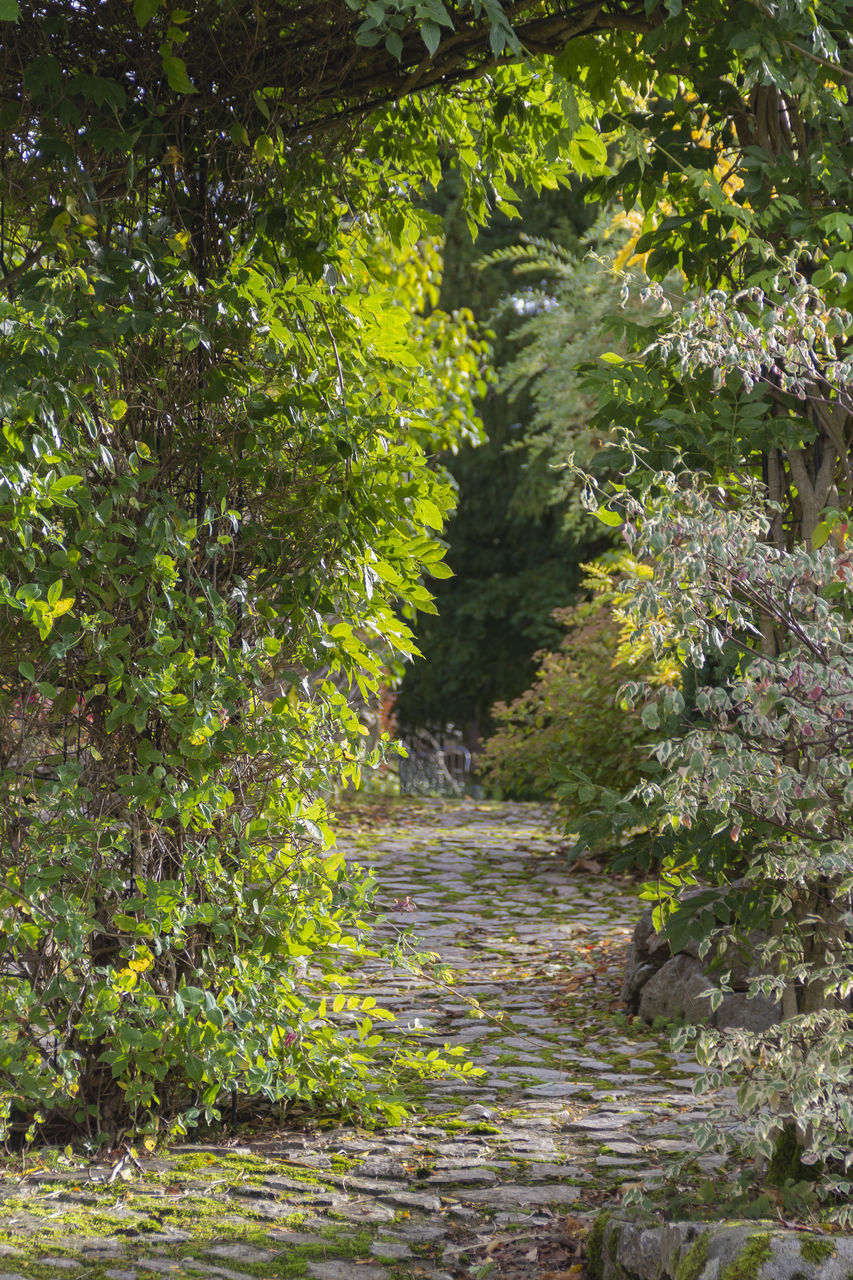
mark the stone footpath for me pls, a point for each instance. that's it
(497, 1176)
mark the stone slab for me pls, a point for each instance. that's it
(710, 1251)
(344, 1270)
(511, 1196)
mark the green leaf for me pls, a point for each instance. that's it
(27, 670)
(428, 512)
(265, 148)
(610, 518)
(118, 409)
(115, 717)
(10, 11)
(651, 715)
(127, 923)
(176, 74)
(820, 535)
(431, 35)
(65, 482)
(591, 142)
(611, 357)
(144, 10)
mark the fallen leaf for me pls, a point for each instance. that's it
(577, 1226)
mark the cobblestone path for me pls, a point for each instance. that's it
(493, 1177)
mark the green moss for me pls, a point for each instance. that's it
(595, 1247)
(194, 1160)
(693, 1263)
(751, 1258)
(816, 1249)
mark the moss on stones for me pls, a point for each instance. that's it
(751, 1258)
(816, 1249)
(595, 1247)
(693, 1263)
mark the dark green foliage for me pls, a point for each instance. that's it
(509, 576)
(785, 1164)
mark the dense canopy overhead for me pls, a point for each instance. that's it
(311, 62)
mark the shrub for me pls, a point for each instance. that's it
(753, 795)
(197, 562)
(572, 721)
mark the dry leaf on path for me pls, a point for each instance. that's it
(577, 1226)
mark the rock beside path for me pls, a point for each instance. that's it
(660, 985)
(624, 1249)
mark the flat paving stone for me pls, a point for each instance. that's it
(390, 1250)
(344, 1270)
(604, 1122)
(511, 1195)
(554, 1089)
(162, 1266)
(414, 1200)
(366, 1211)
(240, 1253)
(449, 1177)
